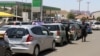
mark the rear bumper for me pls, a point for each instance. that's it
(20, 49)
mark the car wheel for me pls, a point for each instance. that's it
(53, 45)
(36, 51)
(8, 53)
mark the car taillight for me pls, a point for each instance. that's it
(29, 38)
(58, 33)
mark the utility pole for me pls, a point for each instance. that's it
(88, 3)
(79, 4)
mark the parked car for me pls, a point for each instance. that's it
(29, 39)
(58, 30)
(3, 30)
(75, 29)
(96, 25)
(89, 29)
(5, 49)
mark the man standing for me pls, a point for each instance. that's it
(67, 29)
(84, 32)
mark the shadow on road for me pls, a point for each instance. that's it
(43, 53)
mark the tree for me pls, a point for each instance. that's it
(98, 18)
(71, 16)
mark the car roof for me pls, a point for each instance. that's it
(23, 26)
(53, 24)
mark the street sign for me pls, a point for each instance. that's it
(36, 5)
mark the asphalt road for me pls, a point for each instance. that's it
(89, 48)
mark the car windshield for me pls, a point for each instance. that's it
(19, 32)
(52, 27)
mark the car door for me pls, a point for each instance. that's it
(40, 38)
(48, 39)
(63, 33)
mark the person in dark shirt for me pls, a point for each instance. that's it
(67, 29)
(84, 32)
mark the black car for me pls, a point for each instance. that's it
(4, 48)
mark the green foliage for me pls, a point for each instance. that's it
(98, 18)
(71, 16)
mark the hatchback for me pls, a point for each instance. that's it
(29, 39)
(58, 30)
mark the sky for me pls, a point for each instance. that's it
(69, 4)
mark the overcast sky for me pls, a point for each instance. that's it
(69, 4)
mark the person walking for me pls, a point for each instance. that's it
(84, 32)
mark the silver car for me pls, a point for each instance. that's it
(29, 39)
(58, 30)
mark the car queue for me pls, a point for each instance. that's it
(32, 39)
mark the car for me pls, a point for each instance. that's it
(89, 29)
(59, 32)
(75, 29)
(3, 30)
(29, 39)
(96, 25)
(5, 49)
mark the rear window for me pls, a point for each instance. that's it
(52, 27)
(3, 28)
(19, 32)
(97, 23)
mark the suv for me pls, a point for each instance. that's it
(29, 39)
(58, 30)
(4, 48)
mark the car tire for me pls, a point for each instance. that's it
(36, 51)
(8, 53)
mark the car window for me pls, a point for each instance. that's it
(37, 30)
(45, 31)
(97, 23)
(77, 26)
(62, 27)
(52, 27)
(17, 32)
(3, 28)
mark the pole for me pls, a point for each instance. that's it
(41, 11)
(16, 11)
(88, 6)
(79, 4)
(31, 12)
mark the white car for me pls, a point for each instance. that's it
(96, 26)
(29, 39)
(58, 30)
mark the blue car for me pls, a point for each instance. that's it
(89, 29)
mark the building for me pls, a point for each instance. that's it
(95, 14)
(64, 14)
(24, 9)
